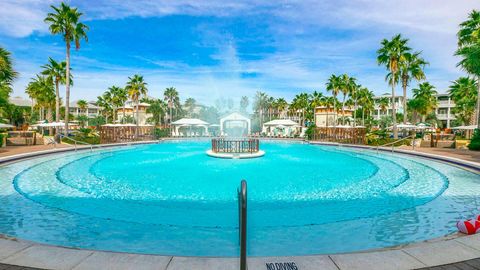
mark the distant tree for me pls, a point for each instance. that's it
(190, 105)
(136, 88)
(243, 104)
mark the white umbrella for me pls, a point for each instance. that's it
(6, 125)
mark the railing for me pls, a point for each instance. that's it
(242, 220)
(220, 145)
(397, 141)
(75, 142)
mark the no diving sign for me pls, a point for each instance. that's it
(282, 266)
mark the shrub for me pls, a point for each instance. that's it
(310, 131)
(1, 138)
(161, 133)
(475, 142)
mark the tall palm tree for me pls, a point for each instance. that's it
(301, 103)
(365, 98)
(136, 88)
(65, 21)
(464, 93)
(82, 105)
(426, 94)
(57, 72)
(105, 102)
(411, 67)
(469, 51)
(42, 90)
(315, 101)
(172, 98)
(334, 85)
(391, 54)
(7, 75)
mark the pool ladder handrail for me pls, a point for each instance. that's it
(242, 220)
(75, 142)
(393, 143)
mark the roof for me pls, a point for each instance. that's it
(234, 116)
(281, 122)
(90, 105)
(20, 101)
(190, 122)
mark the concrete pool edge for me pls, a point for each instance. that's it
(445, 250)
(434, 252)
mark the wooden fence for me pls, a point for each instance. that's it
(340, 135)
(125, 134)
(235, 146)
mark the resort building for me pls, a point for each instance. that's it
(91, 111)
(129, 111)
(443, 111)
(379, 112)
(326, 116)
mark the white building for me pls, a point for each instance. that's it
(91, 111)
(129, 111)
(443, 111)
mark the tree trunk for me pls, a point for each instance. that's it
(343, 110)
(355, 113)
(477, 118)
(136, 129)
(50, 119)
(67, 89)
(363, 116)
(394, 114)
(405, 103)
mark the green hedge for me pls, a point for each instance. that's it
(475, 142)
(161, 133)
(2, 136)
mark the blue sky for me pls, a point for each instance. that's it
(212, 49)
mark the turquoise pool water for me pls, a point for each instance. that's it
(171, 198)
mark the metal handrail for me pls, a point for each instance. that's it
(242, 219)
(393, 143)
(75, 142)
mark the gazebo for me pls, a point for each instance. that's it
(235, 120)
(281, 127)
(188, 123)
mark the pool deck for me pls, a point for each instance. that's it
(455, 251)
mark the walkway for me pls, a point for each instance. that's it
(15, 150)
(449, 152)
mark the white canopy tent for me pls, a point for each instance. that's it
(234, 118)
(2, 125)
(188, 122)
(471, 127)
(280, 127)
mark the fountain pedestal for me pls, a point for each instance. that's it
(235, 148)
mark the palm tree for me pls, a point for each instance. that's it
(301, 103)
(383, 104)
(136, 88)
(411, 67)
(157, 109)
(7, 75)
(259, 104)
(426, 94)
(315, 101)
(281, 106)
(65, 21)
(83, 106)
(105, 102)
(365, 98)
(57, 72)
(118, 98)
(464, 93)
(391, 54)
(334, 85)
(243, 104)
(469, 51)
(172, 98)
(42, 90)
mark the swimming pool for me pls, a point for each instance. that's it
(172, 199)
